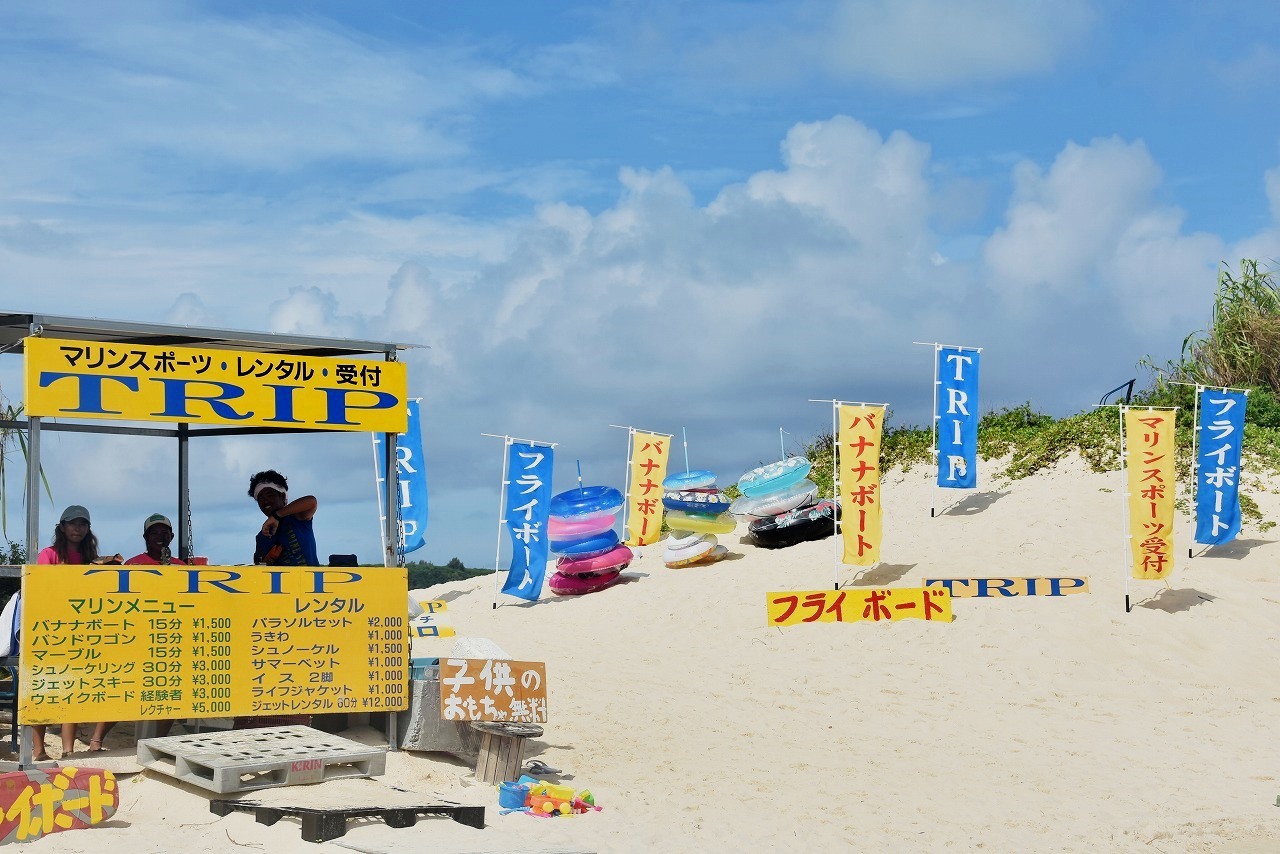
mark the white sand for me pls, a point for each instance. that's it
(1028, 724)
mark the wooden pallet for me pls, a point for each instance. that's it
(322, 825)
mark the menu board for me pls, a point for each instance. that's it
(112, 643)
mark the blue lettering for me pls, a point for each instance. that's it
(1000, 584)
(176, 398)
(194, 580)
(284, 404)
(945, 582)
(319, 578)
(337, 403)
(90, 388)
(122, 576)
(276, 576)
(1056, 585)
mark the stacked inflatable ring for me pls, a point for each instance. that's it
(581, 531)
(696, 511)
(777, 500)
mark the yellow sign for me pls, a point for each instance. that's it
(992, 588)
(649, 453)
(135, 382)
(886, 605)
(1152, 482)
(860, 429)
(480, 689)
(433, 622)
(119, 643)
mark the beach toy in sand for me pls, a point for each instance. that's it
(798, 494)
(577, 585)
(559, 528)
(716, 554)
(774, 476)
(592, 556)
(701, 523)
(617, 558)
(586, 501)
(587, 546)
(512, 795)
(712, 502)
(700, 479)
(813, 522)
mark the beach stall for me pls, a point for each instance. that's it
(194, 641)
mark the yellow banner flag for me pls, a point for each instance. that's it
(1152, 482)
(137, 382)
(649, 453)
(885, 605)
(859, 437)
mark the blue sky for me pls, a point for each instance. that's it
(667, 214)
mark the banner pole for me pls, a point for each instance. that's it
(502, 503)
(626, 480)
(1124, 496)
(835, 496)
(1195, 473)
(684, 437)
(377, 486)
(937, 456)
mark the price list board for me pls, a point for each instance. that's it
(118, 643)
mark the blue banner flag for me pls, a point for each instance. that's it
(527, 509)
(957, 389)
(412, 476)
(1220, 432)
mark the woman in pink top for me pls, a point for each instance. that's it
(73, 543)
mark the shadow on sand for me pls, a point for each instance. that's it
(1234, 550)
(971, 505)
(878, 576)
(1173, 601)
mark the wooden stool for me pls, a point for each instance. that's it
(502, 749)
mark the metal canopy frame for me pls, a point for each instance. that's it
(16, 327)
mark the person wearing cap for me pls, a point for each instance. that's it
(286, 538)
(157, 534)
(73, 543)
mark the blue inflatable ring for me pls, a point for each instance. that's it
(689, 501)
(586, 500)
(774, 476)
(589, 547)
(689, 480)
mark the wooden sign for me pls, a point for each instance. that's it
(37, 802)
(885, 605)
(991, 588)
(480, 689)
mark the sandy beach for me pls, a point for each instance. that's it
(1027, 724)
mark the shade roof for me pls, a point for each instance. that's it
(16, 326)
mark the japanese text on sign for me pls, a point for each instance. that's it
(885, 605)
(103, 643)
(859, 437)
(649, 453)
(1152, 480)
(78, 379)
(1218, 468)
(479, 689)
(527, 509)
(957, 414)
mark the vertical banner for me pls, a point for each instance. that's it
(649, 453)
(957, 408)
(412, 475)
(859, 437)
(527, 507)
(1221, 432)
(1152, 481)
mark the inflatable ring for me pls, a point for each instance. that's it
(814, 522)
(586, 501)
(584, 526)
(773, 477)
(796, 495)
(587, 546)
(576, 585)
(700, 523)
(674, 542)
(689, 480)
(684, 554)
(616, 558)
(717, 554)
(696, 501)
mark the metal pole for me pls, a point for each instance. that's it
(502, 521)
(26, 750)
(184, 494)
(937, 456)
(1124, 494)
(835, 490)
(377, 489)
(391, 489)
(1195, 472)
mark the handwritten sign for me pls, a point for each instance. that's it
(135, 382)
(118, 643)
(990, 588)
(885, 605)
(479, 689)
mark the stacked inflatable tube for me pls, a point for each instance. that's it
(781, 506)
(696, 511)
(581, 531)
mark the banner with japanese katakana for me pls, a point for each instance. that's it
(649, 454)
(957, 410)
(1152, 482)
(142, 382)
(526, 509)
(859, 438)
(885, 605)
(1220, 433)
